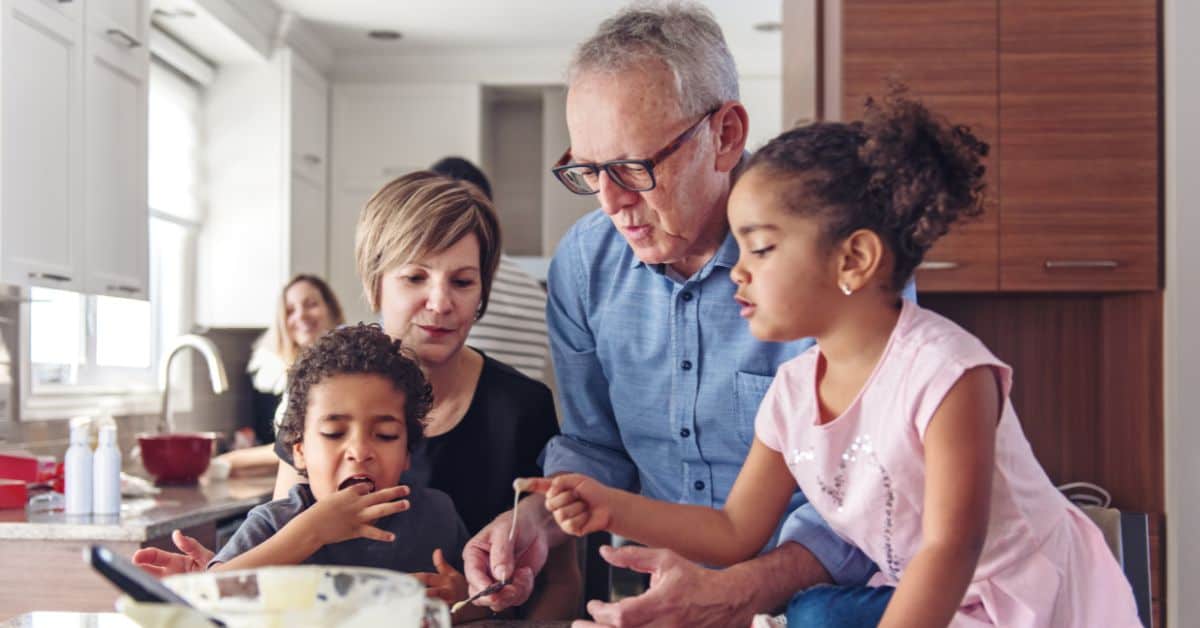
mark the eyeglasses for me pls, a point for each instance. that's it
(636, 175)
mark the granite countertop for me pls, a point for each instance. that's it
(144, 518)
(114, 620)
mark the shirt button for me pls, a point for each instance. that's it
(686, 365)
(685, 432)
(699, 485)
(686, 296)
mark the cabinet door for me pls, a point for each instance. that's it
(117, 216)
(310, 122)
(1079, 129)
(124, 23)
(41, 207)
(945, 52)
(308, 242)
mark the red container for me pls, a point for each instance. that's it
(177, 458)
(12, 494)
(18, 467)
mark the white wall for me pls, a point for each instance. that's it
(1182, 333)
(560, 208)
(379, 132)
(514, 130)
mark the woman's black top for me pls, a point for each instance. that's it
(509, 421)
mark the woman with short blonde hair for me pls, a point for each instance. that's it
(418, 214)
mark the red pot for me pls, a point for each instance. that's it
(177, 458)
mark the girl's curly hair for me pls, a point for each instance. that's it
(902, 172)
(356, 349)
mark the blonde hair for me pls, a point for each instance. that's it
(419, 214)
(277, 339)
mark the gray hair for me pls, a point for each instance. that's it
(684, 36)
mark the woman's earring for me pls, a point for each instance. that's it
(845, 288)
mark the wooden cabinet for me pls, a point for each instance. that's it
(945, 51)
(1066, 95)
(41, 176)
(117, 80)
(1079, 131)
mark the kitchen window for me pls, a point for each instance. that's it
(89, 350)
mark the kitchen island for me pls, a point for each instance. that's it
(41, 555)
(113, 620)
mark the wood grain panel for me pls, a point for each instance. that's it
(968, 74)
(1087, 382)
(945, 52)
(1079, 130)
(1078, 25)
(51, 576)
(1126, 73)
(895, 26)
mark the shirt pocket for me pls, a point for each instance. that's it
(750, 389)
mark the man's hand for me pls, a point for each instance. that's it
(159, 563)
(447, 584)
(489, 557)
(681, 594)
(349, 513)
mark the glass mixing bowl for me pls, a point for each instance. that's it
(297, 596)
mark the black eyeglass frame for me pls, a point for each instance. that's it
(562, 165)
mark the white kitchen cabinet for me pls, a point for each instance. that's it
(117, 76)
(41, 156)
(73, 175)
(266, 160)
(309, 121)
(123, 22)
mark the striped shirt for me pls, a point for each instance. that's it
(513, 330)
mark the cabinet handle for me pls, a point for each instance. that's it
(125, 289)
(122, 37)
(50, 277)
(1101, 264)
(935, 265)
(311, 159)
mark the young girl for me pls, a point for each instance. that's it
(897, 425)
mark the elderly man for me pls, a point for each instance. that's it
(660, 377)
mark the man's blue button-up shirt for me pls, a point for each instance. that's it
(660, 380)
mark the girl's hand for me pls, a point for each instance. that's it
(447, 584)
(580, 505)
(348, 514)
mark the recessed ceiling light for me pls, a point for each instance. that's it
(384, 35)
(768, 27)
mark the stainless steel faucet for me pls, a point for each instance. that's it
(216, 371)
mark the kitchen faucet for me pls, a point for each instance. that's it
(216, 371)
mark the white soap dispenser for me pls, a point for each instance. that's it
(106, 473)
(77, 467)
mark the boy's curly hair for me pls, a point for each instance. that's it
(356, 349)
(902, 172)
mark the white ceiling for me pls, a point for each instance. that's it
(488, 24)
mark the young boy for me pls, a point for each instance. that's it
(356, 407)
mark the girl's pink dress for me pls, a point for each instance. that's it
(1044, 563)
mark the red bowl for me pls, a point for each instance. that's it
(177, 458)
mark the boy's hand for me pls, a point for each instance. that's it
(580, 505)
(348, 514)
(159, 563)
(447, 584)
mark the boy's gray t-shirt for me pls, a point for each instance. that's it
(430, 523)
